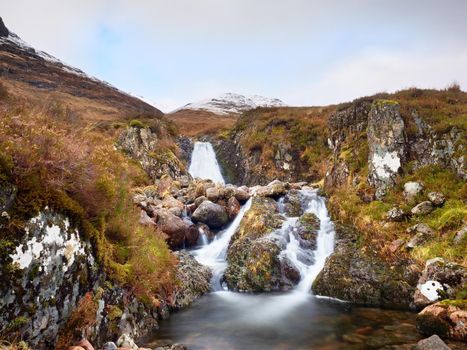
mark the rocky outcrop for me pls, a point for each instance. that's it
(446, 319)
(440, 280)
(3, 29)
(143, 145)
(51, 268)
(185, 144)
(253, 256)
(194, 280)
(386, 142)
(363, 278)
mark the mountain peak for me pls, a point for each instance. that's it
(233, 103)
(3, 29)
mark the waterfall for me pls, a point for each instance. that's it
(204, 164)
(214, 254)
(309, 263)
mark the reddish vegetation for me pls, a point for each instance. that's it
(197, 123)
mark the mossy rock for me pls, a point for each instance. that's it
(429, 325)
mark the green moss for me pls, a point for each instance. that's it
(135, 123)
(455, 302)
(17, 323)
(114, 312)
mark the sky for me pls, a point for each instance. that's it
(305, 52)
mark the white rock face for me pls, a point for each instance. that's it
(386, 165)
(430, 290)
(231, 103)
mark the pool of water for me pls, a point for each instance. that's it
(294, 320)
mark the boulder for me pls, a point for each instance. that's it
(290, 275)
(293, 204)
(126, 341)
(205, 230)
(212, 214)
(179, 231)
(364, 278)
(109, 346)
(144, 219)
(422, 233)
(306, 230)
(396, 214)
(422, 208)
(200, 200)
(460, 235)
(439, 278)
(274, 189)
(253, 256)
(194, 280)
(437, 198)
(171, 202)
(432, 343)
(387, 145)
(412, 189)
(233, 207)
(212, 194)
(242, 194)
(446, 319)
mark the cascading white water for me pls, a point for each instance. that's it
(324, 241)
(204, 164)
(214, 254)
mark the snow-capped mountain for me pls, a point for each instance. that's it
(231, 103)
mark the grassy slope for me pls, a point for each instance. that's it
(64, 158)
(194, 123)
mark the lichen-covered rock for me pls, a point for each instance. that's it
(422, 208)
(212, 214)
(437, 198)
(439, 279)
(412, 189)
(460, 235)
(396, 214)
(143, 145)
(363, 278)
(293, 204)
(387, 145)
(422, 233)
(51, 268)
(253, 257)
(446, 319)
(194, 280)
(306, 230)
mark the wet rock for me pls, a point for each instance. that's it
(293, 204)
(109, 346)
(253, 257)
(412, 189)
(306, 230)
(212, 194)
(387, 142)
(213, 215)
(422, 208)
(242, 194)
(439, 278)
(364, 278)
(396, 214)
(437, 198)
(205, 230)
(233, 207)
(179, 231)
(194, 280)
(274, 189)
(444, 320)
(291, 276)
(432, 343)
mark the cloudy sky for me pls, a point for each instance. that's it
(305, 52)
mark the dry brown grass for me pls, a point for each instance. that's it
(197, 123)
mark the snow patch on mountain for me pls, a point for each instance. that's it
(231, 103)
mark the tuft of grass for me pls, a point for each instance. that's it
(135, 123)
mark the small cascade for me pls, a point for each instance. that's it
(214, 254)
(309, 263)
(204, 164)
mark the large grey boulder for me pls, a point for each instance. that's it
(387, 145)
(212, 214)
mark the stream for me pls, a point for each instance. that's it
(296, 319)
